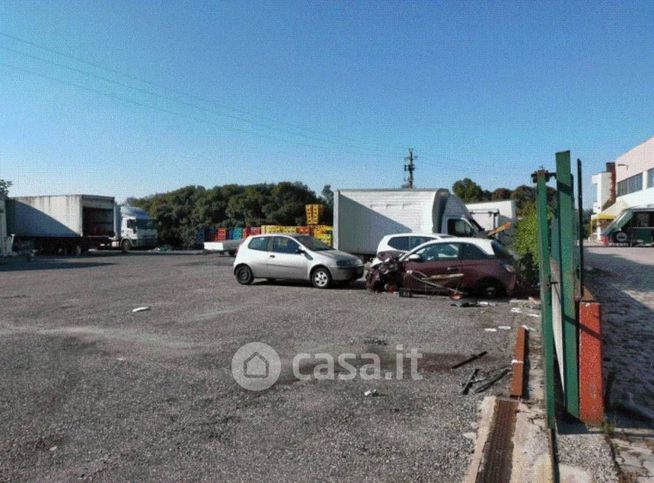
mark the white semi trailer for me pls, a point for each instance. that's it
(72, 224)
(362, 217)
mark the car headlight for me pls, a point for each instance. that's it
(346, 263)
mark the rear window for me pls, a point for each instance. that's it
(500, 250)
(419, 240)
(260, 243)
(399, 243)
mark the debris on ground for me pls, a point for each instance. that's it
(141, 309)
(490, 329)
(516, 310)
(492, 381)
(374, 341)
(371, 393)
(469, 382)
(470, 359)
(504, 327)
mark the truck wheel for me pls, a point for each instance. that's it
(321, 278)
(621, 237)
(125, 246)
(78, 250)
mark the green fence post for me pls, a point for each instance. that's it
(541, 177)
(566, 221)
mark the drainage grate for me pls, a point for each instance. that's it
(498, 452)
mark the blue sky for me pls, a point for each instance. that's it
(174, 93)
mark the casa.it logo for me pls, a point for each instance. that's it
(256, 366)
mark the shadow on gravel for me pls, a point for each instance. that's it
(47, 264)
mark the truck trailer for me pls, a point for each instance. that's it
(362, 217)
(66, 223)
(73, 224)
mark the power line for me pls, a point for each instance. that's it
(171, 112)
(175, 91)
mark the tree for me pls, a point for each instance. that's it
(523, 195)
(500, 194)
(468, 190)
(4, 187)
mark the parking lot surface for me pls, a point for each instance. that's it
(91, 390)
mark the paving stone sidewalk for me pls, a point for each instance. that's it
(622, 279)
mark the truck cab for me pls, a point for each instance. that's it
(136, 229)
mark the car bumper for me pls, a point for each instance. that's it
(350, 273)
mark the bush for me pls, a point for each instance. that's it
(525, 245)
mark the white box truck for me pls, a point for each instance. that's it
(72, 224)
(362, 217)
(66, 223)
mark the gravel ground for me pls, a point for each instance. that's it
(91, 390)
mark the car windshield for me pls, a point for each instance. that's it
(145, 224)
(312, 243)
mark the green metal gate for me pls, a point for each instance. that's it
(561, 259)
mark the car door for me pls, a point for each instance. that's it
(476, 265)
(257, 254)
(286, 261)
(436, 262)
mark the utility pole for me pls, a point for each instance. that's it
(410, 168)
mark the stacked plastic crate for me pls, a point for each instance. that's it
(315, 213)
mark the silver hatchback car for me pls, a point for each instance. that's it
(294, 257)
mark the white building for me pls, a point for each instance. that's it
(634, 173)
(604, 183)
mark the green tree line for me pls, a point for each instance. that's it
(184, 211)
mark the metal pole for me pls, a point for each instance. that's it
(568, 275)
(580, 207)
(541, 177)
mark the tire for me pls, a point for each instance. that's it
(244, 275)
(621, 237)
(78, 250)
(125, 246)
(321, 278)
(490, 288)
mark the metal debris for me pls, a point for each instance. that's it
(371, 393)
(483, 387)
(470, 359)
(469, 382)
(140, 309)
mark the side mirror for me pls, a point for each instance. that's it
(300, 250)
(414, 257)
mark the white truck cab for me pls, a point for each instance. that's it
(134, 229)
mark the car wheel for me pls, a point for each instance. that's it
(490, 288)
(321, 278)
(244, 275)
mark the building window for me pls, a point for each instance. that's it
(629, 185)
(650, 178)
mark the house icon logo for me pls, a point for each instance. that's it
(256, 366)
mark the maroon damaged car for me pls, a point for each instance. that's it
(456, 265)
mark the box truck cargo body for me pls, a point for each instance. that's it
(363, 217)
(72, 223)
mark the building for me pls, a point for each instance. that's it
(604, 183)
(634, 173)
(627, 182)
